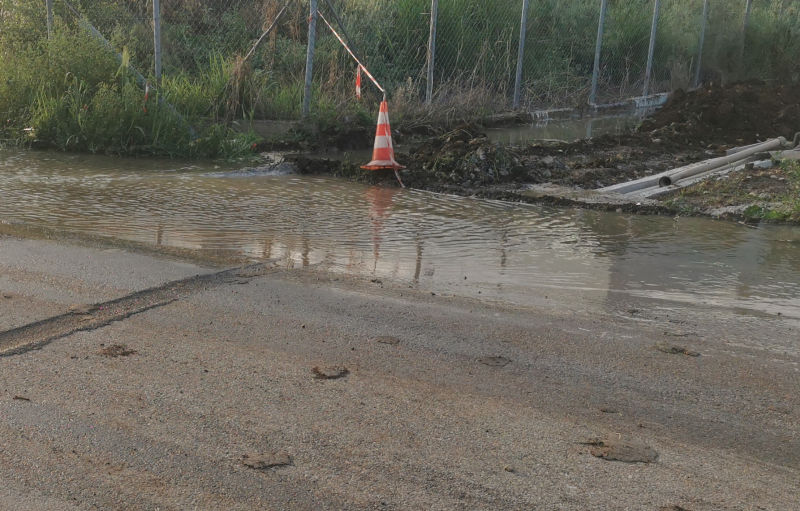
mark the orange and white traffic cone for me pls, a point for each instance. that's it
(383, 153)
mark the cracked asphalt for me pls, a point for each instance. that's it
(470, 406)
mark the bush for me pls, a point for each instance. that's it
(68, 92)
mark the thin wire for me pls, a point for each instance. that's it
(353, 55)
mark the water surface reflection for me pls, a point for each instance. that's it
(492, 250)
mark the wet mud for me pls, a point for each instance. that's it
(692, 126)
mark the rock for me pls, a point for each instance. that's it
(495, 361)
(671, 349)
(273, 459)
(330, 372)
(626, 451)
(393, 341)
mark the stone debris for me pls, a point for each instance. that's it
(273, 459)
(626, 451)
(495, 361)
(671, 349)
(330, 372)
(393, 341)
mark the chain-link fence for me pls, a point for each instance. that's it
(457, 53)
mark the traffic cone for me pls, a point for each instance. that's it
(383, 154)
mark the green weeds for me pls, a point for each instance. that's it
(69, 93)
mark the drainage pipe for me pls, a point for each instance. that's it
(693, 169)
(708, 165)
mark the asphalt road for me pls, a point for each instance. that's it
(128, 382)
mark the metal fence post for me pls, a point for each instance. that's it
(597, 51)
(312, 39)
(49, 18)
(157, 39)
(699, 64)
(748, 8)
(521, 55)
(432, 50)
(651, 50)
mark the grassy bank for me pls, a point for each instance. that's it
(771, 195)
(70, 93)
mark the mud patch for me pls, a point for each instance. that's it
(730, 115)
(36, 335)
(329, 372)
(626, 451)
(116, 350)
(266, 461)
(387, 339)
(494, 361)
(672, 349)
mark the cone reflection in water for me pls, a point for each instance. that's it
(380, 201)
(383, 154)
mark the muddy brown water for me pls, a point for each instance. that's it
(567, 129)
(520, 254)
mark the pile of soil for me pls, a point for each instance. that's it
(741, 113)
(466, 160)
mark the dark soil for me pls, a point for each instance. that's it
(466, 158)
(741, 113)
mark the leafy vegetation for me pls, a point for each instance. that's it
(69, 92)
(771, 195)
(62, 87)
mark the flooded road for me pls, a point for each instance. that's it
(520, 254)
(567, 129)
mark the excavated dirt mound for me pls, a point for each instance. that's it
(466, 159)
(741, 113)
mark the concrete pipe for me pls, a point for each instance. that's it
(676, 175)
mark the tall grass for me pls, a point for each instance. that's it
(69, 92)
(476, 60)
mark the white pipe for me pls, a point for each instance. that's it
(705, 166)
(693, 169)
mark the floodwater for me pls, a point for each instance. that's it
(567, 129)
(490, 250)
